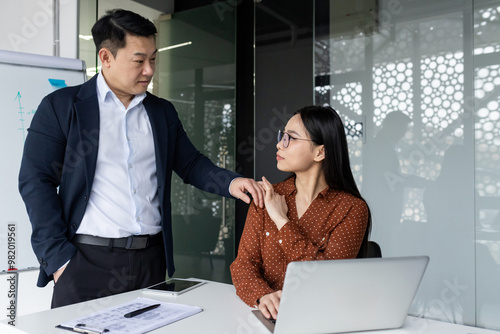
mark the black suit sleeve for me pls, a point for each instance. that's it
(39, 179)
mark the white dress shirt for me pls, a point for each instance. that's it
(124, 197)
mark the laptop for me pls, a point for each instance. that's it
(335, 296)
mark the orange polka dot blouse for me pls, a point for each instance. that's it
(332, 227)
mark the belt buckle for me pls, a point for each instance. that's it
(137, 242)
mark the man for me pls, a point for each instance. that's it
(96, 172)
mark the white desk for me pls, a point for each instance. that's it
(223, 313)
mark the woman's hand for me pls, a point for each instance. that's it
(275, 205)
(269, 304)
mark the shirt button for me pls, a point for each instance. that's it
(135, 192)
(138, 219)
(280, 241)
(129, 165)
(267, 233)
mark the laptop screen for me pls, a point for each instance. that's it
(334, 296)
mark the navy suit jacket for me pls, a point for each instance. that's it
(59, 162)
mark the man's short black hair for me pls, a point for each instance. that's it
(110, 30)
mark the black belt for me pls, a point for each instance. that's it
(131, 242)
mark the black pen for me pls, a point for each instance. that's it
(82, 328)
(141, 311)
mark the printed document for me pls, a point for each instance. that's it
(113, 321)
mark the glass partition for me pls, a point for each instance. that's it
(86, 49)
(486, 54)
(196, 72)
(417, 84)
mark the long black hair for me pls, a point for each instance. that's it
(326, 128)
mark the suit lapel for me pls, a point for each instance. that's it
(159, 125)
(87, 119)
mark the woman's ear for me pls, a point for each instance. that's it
(320, 153)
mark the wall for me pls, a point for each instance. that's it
(32, 30)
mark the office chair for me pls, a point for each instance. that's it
(373, 250)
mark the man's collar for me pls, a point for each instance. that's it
(103, 90)
(102, 87)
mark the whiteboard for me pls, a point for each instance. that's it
(26, 79)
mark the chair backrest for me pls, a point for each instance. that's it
(373, 250)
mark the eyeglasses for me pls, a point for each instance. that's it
(285, 136)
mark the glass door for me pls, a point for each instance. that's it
(196, 72)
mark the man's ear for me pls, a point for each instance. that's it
(105, 56)
(320, 153)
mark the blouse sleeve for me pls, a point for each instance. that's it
(246, 269)
(342, 240)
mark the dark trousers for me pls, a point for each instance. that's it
(96, 271)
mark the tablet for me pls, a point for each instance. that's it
(174, 286)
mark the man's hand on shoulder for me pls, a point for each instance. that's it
(241, 186)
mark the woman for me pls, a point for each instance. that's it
(315, 214)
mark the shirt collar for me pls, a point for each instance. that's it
(103, 91)
(102, 87)
(290, 188)
(328, 193)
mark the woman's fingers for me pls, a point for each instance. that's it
(269, 304)
(267, 186)
(268, 189)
